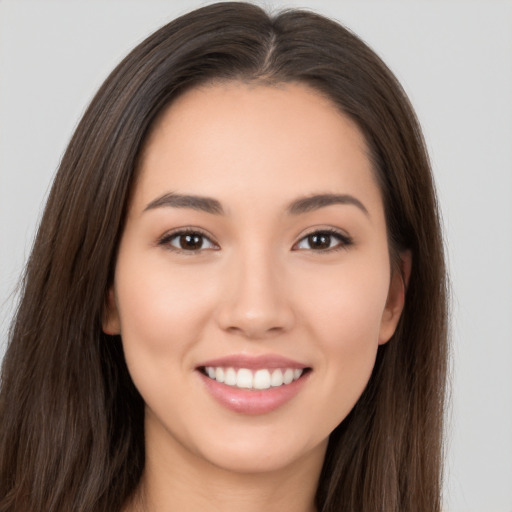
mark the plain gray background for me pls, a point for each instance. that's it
(454, 59)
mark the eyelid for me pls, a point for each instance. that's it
(165, 239)
(345, 240)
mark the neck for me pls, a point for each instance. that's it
(251, 493)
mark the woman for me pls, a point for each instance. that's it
(236, 297)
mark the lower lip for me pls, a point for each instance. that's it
(250, 401)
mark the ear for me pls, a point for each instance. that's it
(396, 297)
(111, 324)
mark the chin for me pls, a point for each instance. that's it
(261, 456)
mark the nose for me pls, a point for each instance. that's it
(255, 304)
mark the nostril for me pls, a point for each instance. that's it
(254, 307)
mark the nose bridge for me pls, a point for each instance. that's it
(255, 303)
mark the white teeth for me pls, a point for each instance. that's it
(261, 379)
(219, 374)
(247, 379)
(230, 377)
(244, 378)
(288, 376)
(277, 378)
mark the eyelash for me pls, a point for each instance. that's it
(168, 237)
(344, 241)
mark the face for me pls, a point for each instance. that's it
(253, 285)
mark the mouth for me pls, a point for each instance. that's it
(253, 385)
(253, 379)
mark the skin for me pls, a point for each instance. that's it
(256, 286)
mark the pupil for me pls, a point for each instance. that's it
(190, 242)
(320, 241)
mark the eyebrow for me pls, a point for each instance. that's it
(214, 207)
(202, 204)
(311, 203)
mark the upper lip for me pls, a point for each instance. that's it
(253, 362)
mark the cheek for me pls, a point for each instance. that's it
(161, 309)
(348, 334)
(346, 305)
(344, 315)
(162, 318)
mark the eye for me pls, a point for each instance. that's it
(187, 241)
(324, 240)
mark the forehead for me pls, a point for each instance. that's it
(235, 139)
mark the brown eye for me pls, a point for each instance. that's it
(319, 241)
(323, 241)
(189, 241)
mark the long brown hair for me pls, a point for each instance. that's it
(71, 420)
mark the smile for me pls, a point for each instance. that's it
(245, 378)
(251, 385)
